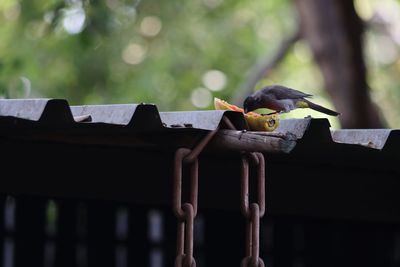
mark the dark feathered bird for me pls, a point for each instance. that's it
(282, 99)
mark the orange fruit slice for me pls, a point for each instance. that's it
(255, 121)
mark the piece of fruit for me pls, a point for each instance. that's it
(255, 121)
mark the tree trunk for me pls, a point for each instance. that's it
(334, 32)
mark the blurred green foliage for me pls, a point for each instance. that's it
(115, 57)
(176, 54)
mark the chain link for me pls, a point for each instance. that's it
(254, 211)
(187, 212)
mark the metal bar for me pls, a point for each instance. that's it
(228, 123)
(200, 146)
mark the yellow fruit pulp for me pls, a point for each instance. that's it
(255, 121)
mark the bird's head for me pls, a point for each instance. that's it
(249, 104)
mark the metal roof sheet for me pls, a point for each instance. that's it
(147, 118)
(373, 138)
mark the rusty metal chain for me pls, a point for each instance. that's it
(187, 212)
(253, 212)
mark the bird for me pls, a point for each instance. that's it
(282, 99)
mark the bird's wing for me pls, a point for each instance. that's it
(282, 92)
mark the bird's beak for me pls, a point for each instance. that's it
(245, 110)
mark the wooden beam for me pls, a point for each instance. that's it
(232, 140)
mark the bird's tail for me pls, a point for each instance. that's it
(320, 108)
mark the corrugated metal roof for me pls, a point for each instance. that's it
(130, 115)
(128, 118)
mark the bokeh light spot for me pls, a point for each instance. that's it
(214, 80)
(74, 20)
(150, 26)
(201, 97)
(134, 54)
(364, 9)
